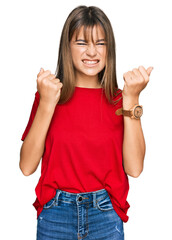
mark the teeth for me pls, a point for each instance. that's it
(90, 62)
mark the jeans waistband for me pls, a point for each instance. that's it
(82, 197)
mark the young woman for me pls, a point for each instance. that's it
(77, 126)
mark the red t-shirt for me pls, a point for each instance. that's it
(83, 149)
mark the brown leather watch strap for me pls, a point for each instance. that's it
(127, 113)
(131, 112)
(120, 111)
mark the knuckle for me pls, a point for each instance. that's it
(135, 69)
(52, 75)
(60, 84)
(47, 72)
(44, 81)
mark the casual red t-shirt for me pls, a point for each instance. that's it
(83, 149)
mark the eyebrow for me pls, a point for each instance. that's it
(82, 40)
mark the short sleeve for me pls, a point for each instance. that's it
(118, 100)
(32, 115)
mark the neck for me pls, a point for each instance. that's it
(87, 81)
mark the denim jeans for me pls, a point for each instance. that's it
(85, 215)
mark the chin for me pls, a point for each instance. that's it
(91, 73)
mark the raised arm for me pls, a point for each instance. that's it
(32, 149)
(134, 146)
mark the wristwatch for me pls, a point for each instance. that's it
(135, 112)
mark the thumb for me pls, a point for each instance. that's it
(149, 70)
(41, 71)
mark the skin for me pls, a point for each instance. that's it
(134, 143)
(87, 74)
(32, 149)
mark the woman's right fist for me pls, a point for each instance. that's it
(49, 88)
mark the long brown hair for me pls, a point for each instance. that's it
(87, 17)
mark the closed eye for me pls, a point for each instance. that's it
(81, 43)
(86, 44)
(100, 43)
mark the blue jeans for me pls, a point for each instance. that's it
(85, 215)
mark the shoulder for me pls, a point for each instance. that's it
(118, 92)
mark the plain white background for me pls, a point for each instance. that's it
(30, 33)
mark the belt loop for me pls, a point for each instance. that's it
(94, 200)
(57, 196)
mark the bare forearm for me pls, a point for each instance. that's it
(134, 143)
(33, 146)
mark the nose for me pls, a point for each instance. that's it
(91, 50)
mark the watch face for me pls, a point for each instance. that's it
(138, 111)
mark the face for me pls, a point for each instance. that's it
(89, 57)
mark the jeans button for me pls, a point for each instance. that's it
(80, 198)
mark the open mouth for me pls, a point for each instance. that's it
(90, 62)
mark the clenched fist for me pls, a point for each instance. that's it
(49, 88)
(135, 81)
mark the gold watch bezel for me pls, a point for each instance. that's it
(134, 109)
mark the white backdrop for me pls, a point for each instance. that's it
(30, 33)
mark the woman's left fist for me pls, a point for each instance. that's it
(135, 81)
